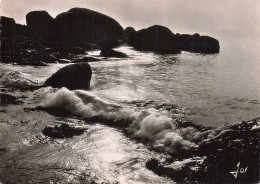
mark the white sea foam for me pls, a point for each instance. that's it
(161, 131)
(16, 79)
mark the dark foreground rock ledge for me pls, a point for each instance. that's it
(225, 149)
(75, 76)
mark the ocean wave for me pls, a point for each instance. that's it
(18, 80)
(161, 131)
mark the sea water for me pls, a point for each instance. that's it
(131, 100)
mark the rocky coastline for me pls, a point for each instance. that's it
(70, 35)
(45, 39)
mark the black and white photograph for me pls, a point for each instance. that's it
(129, 91)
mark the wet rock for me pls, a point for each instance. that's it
(234, 147)
(183, 174)
(105, 52)
(9, 99)
(155, 38)
(75, 76)
(63, 131)
(235, 144)
(84, 25)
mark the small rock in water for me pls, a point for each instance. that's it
(63, 131)
(9, 99)
(106, 52)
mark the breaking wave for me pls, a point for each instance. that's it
(161, 131)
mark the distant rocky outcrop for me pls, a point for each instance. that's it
(75, 76)
(160, 39)
(84, 25)
(197, 43)
(155, 38)
(47, 40)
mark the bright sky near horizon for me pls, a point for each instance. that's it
(209, 17)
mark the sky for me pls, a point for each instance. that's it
(217, 18)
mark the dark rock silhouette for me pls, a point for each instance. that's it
(7, 26)
(160, 39)
(63, 131)
(79, 29)
(39, 22)
(197, 43)
(155, 38)
(75, 76)
(128, 35)
(129, 30)
(84, 25)
(105, 52)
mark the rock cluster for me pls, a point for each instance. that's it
(47, 40)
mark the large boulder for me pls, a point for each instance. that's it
(84, 25)
(39, 22)
(155, 38)
(197, 43)
(75, 76)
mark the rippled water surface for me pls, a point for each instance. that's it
(147, 90)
